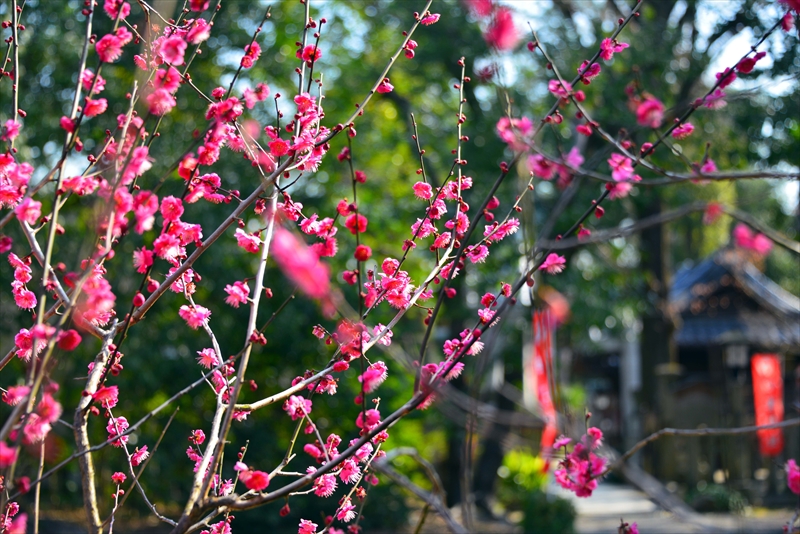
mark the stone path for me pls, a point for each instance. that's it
(601, 513)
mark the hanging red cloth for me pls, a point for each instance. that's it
(543, 373)
(768, 399)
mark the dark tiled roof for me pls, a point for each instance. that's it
(772, 321)
(769, 293)
(759, 330)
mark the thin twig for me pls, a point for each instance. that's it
(360, 107)
(138, 475)
(37, 494)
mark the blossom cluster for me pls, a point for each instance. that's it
(580, 468)
(793, 476)
(746, 239)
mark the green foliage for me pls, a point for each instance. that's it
(520, 474)
(574, 396)
(548, 514)
(716, 498)
(522, 486)
(525, 470)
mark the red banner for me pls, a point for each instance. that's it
(768, 398)
(543, 373)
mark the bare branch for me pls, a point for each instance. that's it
(81, 432)
(695, 432)
(604, 235)
(430, 499)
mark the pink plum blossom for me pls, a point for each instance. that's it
(588, 72)
(107, 396)
(116, 427)
(325, 485)
(309, 54)
(160, 102)
(579, 470)
(743, 236)
(423, 191)
(252, 479)
(116, 8)
(515, 131)
(792, 476)
(91, 82)
(373, 376)
(172, 50)
(237, 293)
(481, 8)
(28, 211)
(683, 131)
(8, 455)
(385, 86)
(761, 245)
(501, 33)
(14, 394)
(346, 512)
(195, 316)
(109, 48)
(609, 47)
(541, 166)
(430, 18)
(300, 264)
(725, 78)
(650, 112)
(251, 243)
(708, 167)
(10, 131)
(559, 89)
(171, 208)
(139, 455)
(297, 407)
(553, 264)
(251, 54)
(207, 358)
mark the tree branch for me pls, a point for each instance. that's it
(694, 433)
(427, 497)
(602, 236)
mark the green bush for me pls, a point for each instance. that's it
(521, 487)
(525, 470)
(548, 514)
(716, 498)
